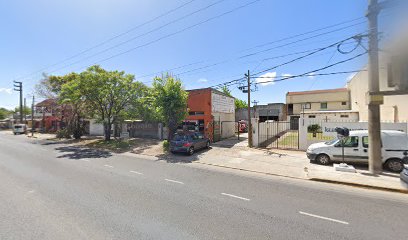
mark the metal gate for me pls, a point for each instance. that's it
(279, 134)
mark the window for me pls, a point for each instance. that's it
(307, 105)
(344, 116)
(351, 142)
(323, 105)
(344, 103)
(365, 142)
(196, 113)
(312, 116)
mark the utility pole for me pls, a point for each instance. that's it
(25, 115)
(249, 110)
(18, 87)
(374, 124)
(32, 117)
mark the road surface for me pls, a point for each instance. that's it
(55, 191)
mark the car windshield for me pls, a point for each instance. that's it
(17, 126)
(334, 141)
(179, 137)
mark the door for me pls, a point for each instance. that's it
(352, 150)
(201, 141)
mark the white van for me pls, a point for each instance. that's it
(19, 128)
(394, 148)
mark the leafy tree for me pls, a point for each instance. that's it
(105, 94)
(170, 100)
(238, 102)
(4, 113)
(26, 110)
(50, 86)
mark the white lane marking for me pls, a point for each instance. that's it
(85, 160)
(109, 166)
(234, 196)
(136, 172)
(32, 191)
(325, 218)
(173, 181)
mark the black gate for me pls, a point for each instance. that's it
(279, 134)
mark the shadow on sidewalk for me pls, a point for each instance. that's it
(73, 152)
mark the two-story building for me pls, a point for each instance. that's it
(329, 104)
(211, 112)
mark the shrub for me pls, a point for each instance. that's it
(314, 128)
(166, 145)
(64, 133)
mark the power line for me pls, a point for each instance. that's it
(355, 37)
(111, 39)
(141, 35)
(316, 70)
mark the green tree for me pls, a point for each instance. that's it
(105, 94)
(238, 102)
(26, 110)
(170, 100)
(4, 113)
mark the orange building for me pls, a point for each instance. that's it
(211, 112)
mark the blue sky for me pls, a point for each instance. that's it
(39, 34)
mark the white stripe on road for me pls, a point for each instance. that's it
(85, 160)
(109, 166)
(325, 218)
(136, 172)
(173, 181)
(234, 196)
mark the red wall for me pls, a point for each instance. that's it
(200, 101)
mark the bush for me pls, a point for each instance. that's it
(314, 128)
(64, 133)
(166, 145)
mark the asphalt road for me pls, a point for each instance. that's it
(56, 191)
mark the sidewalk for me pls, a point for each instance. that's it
(295, 164)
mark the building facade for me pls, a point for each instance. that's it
(270, 111)
(327, 104)
(211, 112)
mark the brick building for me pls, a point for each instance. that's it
(211, 112)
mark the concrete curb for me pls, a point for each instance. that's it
(405, 191)
(246, 170)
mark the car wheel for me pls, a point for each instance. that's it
(323, 159)
(191, 151)
(208, 145)
(394, 165)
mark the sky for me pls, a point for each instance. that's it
(203, 42)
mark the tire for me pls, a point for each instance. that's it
(190, 151)
(394, 165)
(207, 146)
(323, 159)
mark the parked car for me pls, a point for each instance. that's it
(404, 173)
(19, 128)
(394, 149)
(188, 142)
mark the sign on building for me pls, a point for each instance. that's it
(222, 104)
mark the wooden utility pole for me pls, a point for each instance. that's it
(25, 115)
(374, 121)
(32, 117)
(18, 86)
(249, 110)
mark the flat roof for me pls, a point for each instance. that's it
(317, 91)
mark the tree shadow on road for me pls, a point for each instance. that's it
(181, 157)
(73, 152)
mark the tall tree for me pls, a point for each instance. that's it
(170, 100)
(106, 94)
(4, 113)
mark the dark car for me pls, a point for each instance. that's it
(188, 142)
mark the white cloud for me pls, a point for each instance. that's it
(202, 80)
(312, 75)
(285, 75)
(6, 90)
(266, 79)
